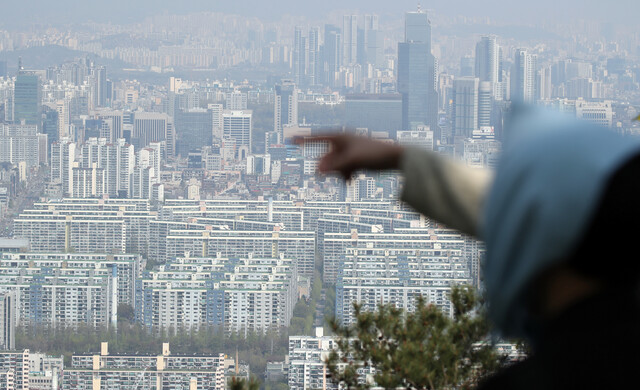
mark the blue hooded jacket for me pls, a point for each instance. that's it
(553, 171)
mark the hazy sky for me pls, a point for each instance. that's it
(118, 11)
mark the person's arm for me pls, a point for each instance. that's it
(445, 189)
(438, 187)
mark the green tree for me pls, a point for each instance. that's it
(126, 312)
(425, 349)
(236, 383)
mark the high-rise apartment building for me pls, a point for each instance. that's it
(236, 100)
(87, 225)
(8, 320)
(63, 157)
(115, 159)
(313, 57)
(216, 120)
(242, 295)
(523, 77)
(22, 143)
(398, 280)
(88, 182)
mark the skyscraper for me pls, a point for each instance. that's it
(63, 156)
(299, 56)
(27, 98)
(50, 124)
(350, 39)
(331, 53)
(193, 130)
(313, 57)
(286, 107)
(99, 87)
(523, 77)
(416, 74)
(370, 49)
(237, 127)
(488, 63)
(465, 106)
(485, 91)
(150, 127)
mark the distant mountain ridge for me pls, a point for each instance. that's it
(42, 57)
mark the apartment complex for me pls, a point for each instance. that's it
(241, 295)
(129, 372)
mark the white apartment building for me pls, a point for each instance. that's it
(153, 372)
(22, 143)
(242, 295)
(384, 278)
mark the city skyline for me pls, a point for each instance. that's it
(153, 188)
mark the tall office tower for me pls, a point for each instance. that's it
(115, 119)
(99, 87)
(544, 87)
(216, 120)
(488, 63)
(50, 124)
(299, 57)
(369, 46)
(313, 63)
(417, 74)
(350, 39)
(26, 100)
(152, 127)
(63, 156)
(3, 68)
(465, 106)
(193, 130)
(285, 107)
(485, 91)
(331, 53)
(523, 77)
(467, 66)
(236, 100)
(236, 126)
